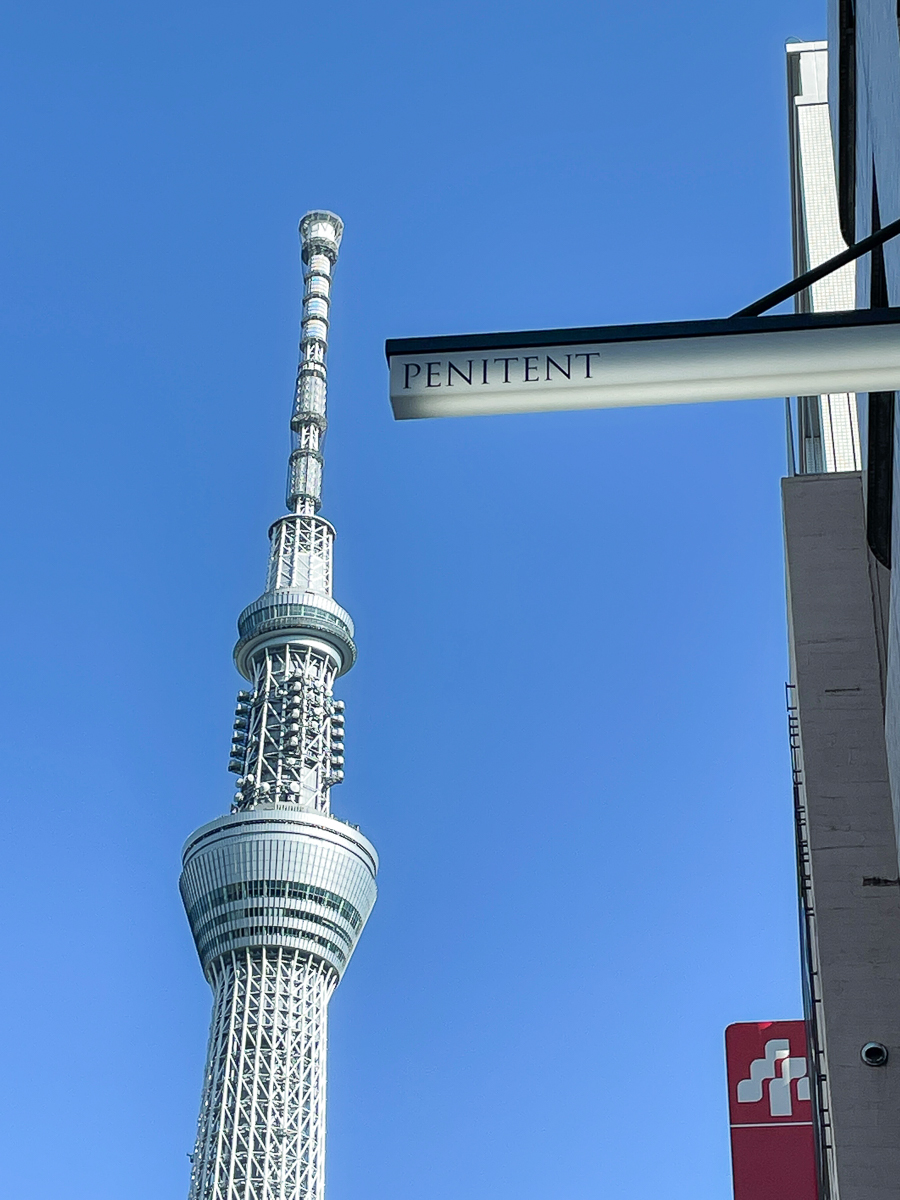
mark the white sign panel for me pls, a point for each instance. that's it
(624, 366)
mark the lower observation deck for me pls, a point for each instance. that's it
(278, 876)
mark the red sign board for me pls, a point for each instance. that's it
(772, 1148)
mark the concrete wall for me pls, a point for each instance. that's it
(877, 155)
(838, 659)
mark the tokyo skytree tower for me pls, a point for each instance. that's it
(277, 892)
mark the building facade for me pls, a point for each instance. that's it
(277, 892)
(827, 426)
(841, 532)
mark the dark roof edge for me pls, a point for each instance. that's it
(782, 322)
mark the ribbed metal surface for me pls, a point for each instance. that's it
(270, 877)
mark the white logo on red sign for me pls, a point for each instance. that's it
(777, 1071)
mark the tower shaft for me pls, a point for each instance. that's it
(278, 891)
(262, 1117)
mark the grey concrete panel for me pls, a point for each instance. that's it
(837, 657)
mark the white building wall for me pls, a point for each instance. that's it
(828, 426)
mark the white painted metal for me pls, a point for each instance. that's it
(275, 875)
(295, 639)
(261, 1133)
(828, 425)
(278, 892)
(647, 370)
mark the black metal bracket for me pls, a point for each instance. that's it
(809, 277)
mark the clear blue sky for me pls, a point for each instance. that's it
(566, 730)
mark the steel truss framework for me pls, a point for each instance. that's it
(261, 1133)
(301, 557)
(293, 749)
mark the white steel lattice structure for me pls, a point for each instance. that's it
(278, 891)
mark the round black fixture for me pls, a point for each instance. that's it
(874, 1054)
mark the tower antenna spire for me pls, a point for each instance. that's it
(320, 240)
(277, 892)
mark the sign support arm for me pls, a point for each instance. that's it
(810, 277)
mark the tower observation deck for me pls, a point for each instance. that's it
(278, 891)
